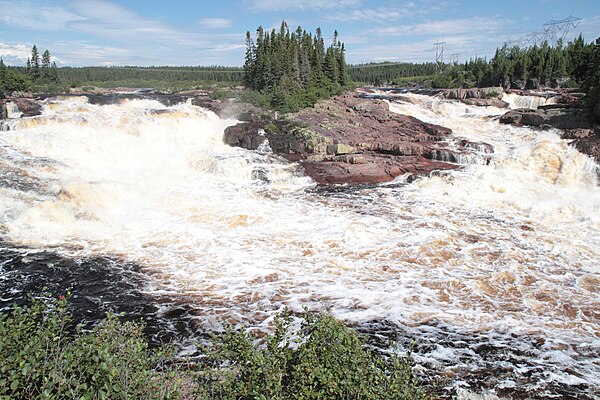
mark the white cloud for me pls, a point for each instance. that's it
(26, 14)
(301, 5)
(490, 25)
(83, 53)
(215, 23)
(14, 53)
(229, 47)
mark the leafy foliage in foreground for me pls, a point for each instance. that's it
(44, 357)
(324, 360)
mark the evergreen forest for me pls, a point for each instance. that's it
(575, 64)
(294, 69)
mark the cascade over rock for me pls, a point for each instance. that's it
(352, 139)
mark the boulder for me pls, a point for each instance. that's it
(339, 148)
(247, 135)
(486, 103)
(551, 116)
(17, 107)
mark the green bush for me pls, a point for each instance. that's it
(45, 357)
(323, 360)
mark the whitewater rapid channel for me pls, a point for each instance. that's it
(493, 270)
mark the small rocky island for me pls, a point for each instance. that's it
(353, 140)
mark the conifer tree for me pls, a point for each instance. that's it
(53, 75)
(250, 62)
(46, 61)
(35, 63)
(293, 68)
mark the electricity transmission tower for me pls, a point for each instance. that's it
(554, 27)
(439, 56)
(454, 58)
(553, 30)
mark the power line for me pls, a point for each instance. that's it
(551, 32)
(439, 56)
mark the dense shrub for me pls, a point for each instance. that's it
(45, 357)
(323, 360)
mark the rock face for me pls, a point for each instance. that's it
(17, 107)
(589, 145)
(28, 107)
(248, 135)
(550, 116)
(349, 139)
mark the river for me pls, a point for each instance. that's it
(493, 270)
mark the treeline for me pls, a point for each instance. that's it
(294, 69)
(535, 66)
(12, 80)
(39, 70)
(571, 65)
(90, 75)
(379, 74)
(575, 64)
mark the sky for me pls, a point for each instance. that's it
(201, 32)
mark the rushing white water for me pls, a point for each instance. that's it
(506, 249)
(532, 102)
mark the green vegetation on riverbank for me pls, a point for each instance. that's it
(572, 65)
(45, 356)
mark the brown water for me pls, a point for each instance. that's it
(493, 270)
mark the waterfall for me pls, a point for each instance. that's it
(502, 253)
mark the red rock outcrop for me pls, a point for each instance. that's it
(353, 140)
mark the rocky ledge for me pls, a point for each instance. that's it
(568, 115)
(353, 140)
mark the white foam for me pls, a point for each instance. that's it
(507, 247)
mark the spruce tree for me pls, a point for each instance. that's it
(250, 63)
(35, 63)
(46, 61)
(294, 69)
(54, 73)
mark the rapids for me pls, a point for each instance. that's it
(492, 270)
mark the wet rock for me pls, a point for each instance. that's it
(576, 133)
(486, 103)
(589, 145)
(551, 116)
(522, 116)
(27, 107)
(248, 135)
(354, 139)
(474, 93)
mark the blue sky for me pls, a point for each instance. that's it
(181, 32)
